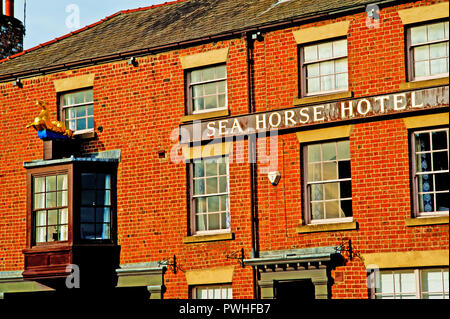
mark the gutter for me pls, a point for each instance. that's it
(153, 50)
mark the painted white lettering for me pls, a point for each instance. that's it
(211, 128)
(413, 101)
(222, 127)
(304, 113)
(318, 110)
(258, 122)
(364, 110)
(399, 98)
(236, 125)
(278, 121)
(289, 118)
(348, 109)
(382, 99)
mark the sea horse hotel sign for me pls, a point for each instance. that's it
(296, 117)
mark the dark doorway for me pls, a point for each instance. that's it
(295, 290)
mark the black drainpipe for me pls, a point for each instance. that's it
(252, 158)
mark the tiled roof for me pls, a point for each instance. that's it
(166, 24)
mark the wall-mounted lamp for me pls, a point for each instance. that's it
(132, 61)
(18, 83)
(257, 36)
(274, 177)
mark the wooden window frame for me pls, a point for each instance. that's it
(191, 206)
(62, 108)
(31, 224)
(306, 190)
(413, 170)
(410, 56)
(189, 96)
(74, 191)
(302, 70)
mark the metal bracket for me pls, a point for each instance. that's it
(171, 264)
(347, 247)
(239, 255)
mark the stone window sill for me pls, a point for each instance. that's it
(85, 136)
(304, 229)
(207, 238)
(424, 221)
(423, 84)
(201, 116)
(323, 98)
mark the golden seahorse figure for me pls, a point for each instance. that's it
(43, 122)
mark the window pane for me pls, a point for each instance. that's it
(422, 142)
(63, 216)
(39, 185)
(200, 205)
(342, 81)
(196, 76)
(208, 74)
(221, 87)
(421, 53)
(211, 168)
(211, 185)
(102, 231)
(199, 169)
(310, 53)
(327, 68)
(340, 48)
(210, 88)
(405, 282)
(41, 234)
(81, 124)
(341, 66)
(442, 202)
(419, 34)
(63, 233)
(331, 190)
(332, 209)
(213, 204)
(222, 167)
(440, 161)
(210, 102)
(344, 169)
(423, 162)
(223, 184)
(221, 71)
(199, 104)
(39, 201)
(330, 171)
(80, 111)
(432, 281)
(222, 100)
(78, 97)
(343, 149)
(426, 203)
(87, 214)
(41, 218)
(313, 85)
(88, 231)
(103, 215)
(199, 186)
(50, 183)
(438, 50)
(314, 153)
(61, 199)
(328, 151)
(312, 70)
(201, 222)
(103, 197)
(421, 68)
(387, 283)
(440, 140)
(88, 197)
(213, 221)
(50, 200)
(346, 206)
(223, 203)
(436, 32)
(317, 210)
(441, 181)
(52, 234)
(346, 189)
(317, 192)
(88, 181)
(197, 91)
(314, 172)
(438, 66)
(327, 83)
(62, 182)
(325, 50)
(90, 110)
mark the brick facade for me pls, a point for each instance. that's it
(140, 107)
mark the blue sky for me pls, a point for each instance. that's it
(48, 19)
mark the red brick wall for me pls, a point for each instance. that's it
(139, 107)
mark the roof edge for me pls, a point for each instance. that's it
(89, 26)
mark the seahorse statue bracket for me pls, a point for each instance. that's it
(43, 123)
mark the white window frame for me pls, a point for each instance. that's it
(308, 217)
(227, 286)
(193, 214)
(191, 85)
(414, 174)
(418, 281)
(304, 65)
(411, 59)
(64, 107)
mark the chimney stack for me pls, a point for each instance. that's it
(9, 8)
